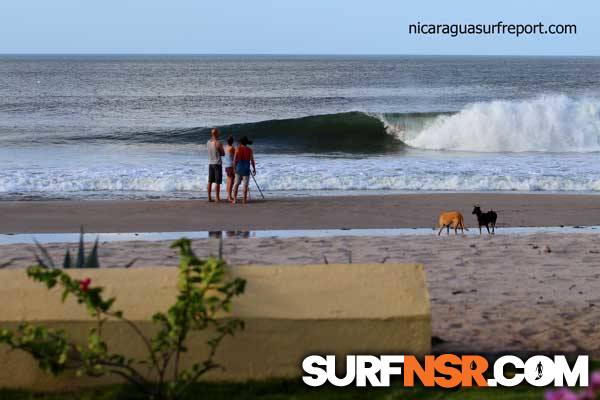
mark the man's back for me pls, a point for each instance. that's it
(214, 153)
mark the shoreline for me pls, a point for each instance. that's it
(336, 212)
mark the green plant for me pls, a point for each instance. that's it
(82, 260)
(203, 293)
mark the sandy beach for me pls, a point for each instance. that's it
(390, 211)
(535, 292)
(525, 293)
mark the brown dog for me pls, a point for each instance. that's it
(451, 219)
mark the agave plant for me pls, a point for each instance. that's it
(81, 260)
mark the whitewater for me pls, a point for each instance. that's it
(550, 123)
(183, 176)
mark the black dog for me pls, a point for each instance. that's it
(488, 218)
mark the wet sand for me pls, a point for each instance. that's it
(491, 294)
(389, 211)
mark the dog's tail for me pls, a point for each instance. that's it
(461, 222)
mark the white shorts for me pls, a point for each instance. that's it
(244, 179)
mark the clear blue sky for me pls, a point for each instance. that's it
(287, 26)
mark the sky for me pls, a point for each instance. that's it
(288, 26)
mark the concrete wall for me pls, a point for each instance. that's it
(290, 312)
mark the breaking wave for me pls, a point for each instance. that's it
(544, 124)
(554, 123)
(350, 132)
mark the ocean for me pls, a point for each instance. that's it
(120, 127)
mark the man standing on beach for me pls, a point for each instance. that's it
(215, 169)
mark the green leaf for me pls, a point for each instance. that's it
(92, 259)
(80, 261)
(44, 260)
(67, 262)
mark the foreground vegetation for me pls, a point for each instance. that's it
(204, 291)
(279, 390)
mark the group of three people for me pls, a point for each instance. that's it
(237, 163)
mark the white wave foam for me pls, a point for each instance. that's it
(554, 123)
(355, 175)
(290, 183)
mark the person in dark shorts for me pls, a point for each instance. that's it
(243, 160)
(215, 169)
(228, 164)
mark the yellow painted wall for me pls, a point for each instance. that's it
(290, 312)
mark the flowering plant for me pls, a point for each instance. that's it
(592, 392)
(203, 292)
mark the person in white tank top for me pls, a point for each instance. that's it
(228, 164)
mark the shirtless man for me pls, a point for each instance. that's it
(215, 169)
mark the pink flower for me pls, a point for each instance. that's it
(587, 394)
(84, 285)
(595, 381)
(560, 394)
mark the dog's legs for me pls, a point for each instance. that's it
(488, 229)
(456, 230)
(447, 229)
(480, 229)
(440, 231)
(493, 228)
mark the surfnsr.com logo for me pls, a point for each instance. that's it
(446, 371)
